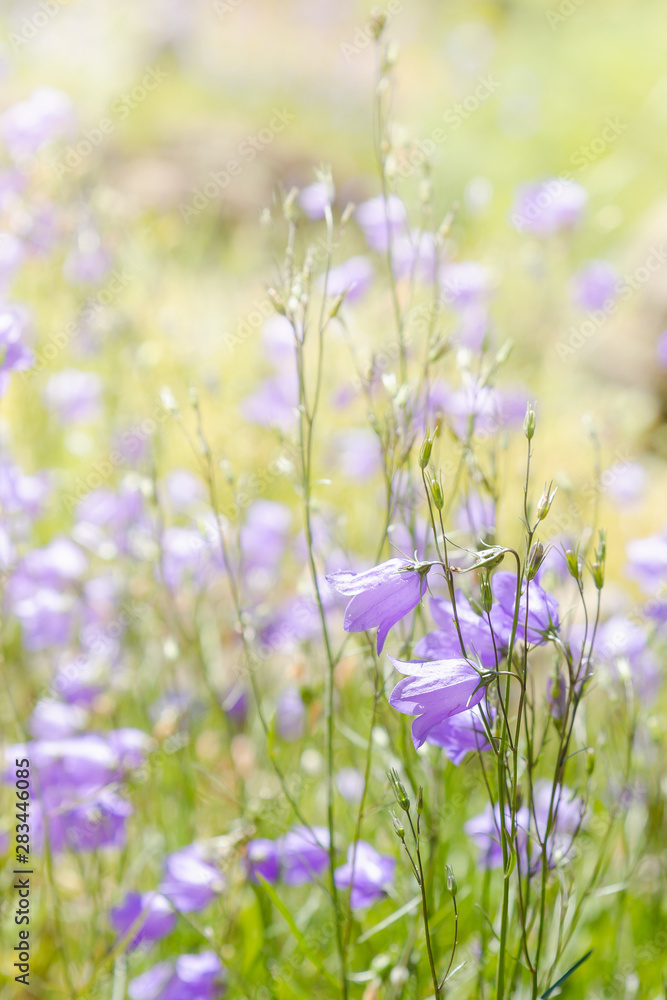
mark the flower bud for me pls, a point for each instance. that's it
(425, 450)
(452, 887)
(289, 210)
(348, 212)
(398, 789)
(420, 800)
(486, 594)
(529, 422)
(277, 300)
(398, 826)
(168, 399)
(535, 560)
(600, 558)
(390, 56)
(573, 567)
(377, 23)
(545, 502)
(436, 493)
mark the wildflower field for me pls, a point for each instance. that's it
(333, 542)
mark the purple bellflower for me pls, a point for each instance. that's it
(434, 691)
(381, 596)
(190, 882)
(298, 858)
(366, 872)
(149, 913)
(190, 977)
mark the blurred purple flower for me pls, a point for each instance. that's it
(7, 551)
(190, 977)
(464, 284)
(264, 536)
(73, 395)
(12, 186)
(304, 854)
(353, 276)
(661, 349)
(567, 812)
(150, 912)
(105, 517)
(484, 831)
(594, 286)
(549, 206)
(278, 341)
(477, 515)
(70, 768)
(647, 561)
(350, 783)
(14, 355)
(131, 747)
(444, 643)
(625, 482)
(190, 882)
(12, 255)
(95, 823)
(29, 125)
(78, 680)
(315, 198)
(542, 610)
(367, 873)
(556, 696)
(434, 691)
(235, 705)
(57, 564)
(263, 858)
(459, 735)
(20, 494)
(297, 858)
(55, 720)
(416, 253)
(357, 453)
(37, 594)
(490, 409)
(472, 326)
(290, 715)
(184, 489)
(186, 556)
(380, 597)
(382, 221)
(274, 403)
(293, 622)
(87, 263)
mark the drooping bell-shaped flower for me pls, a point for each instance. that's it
(379, 597)
(434, 691)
